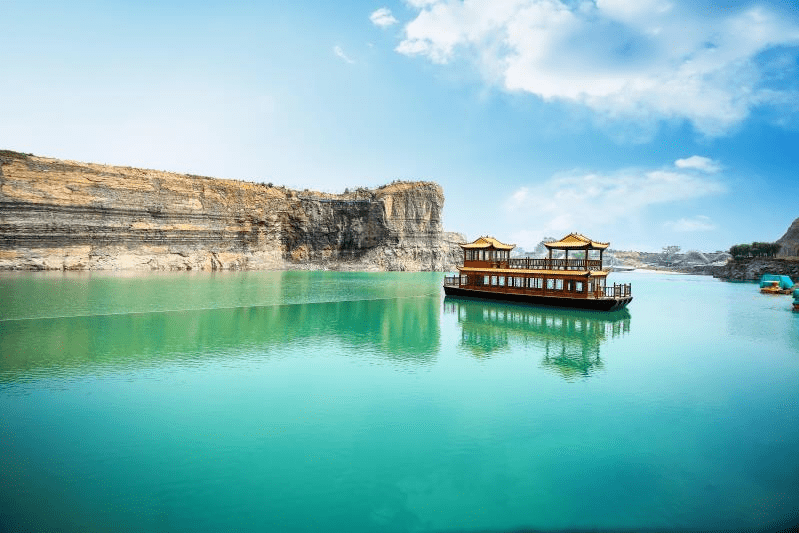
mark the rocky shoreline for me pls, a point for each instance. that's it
(752, 268)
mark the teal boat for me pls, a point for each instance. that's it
(796, 299)
(776, 284)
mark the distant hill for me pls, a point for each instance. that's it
(692, 261)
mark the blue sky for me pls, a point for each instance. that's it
(645, 123)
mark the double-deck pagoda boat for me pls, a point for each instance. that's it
(488, 271)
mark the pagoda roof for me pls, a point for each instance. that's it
(487, 242)
(576, 241)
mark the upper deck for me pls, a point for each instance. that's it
(530, 263)
(489, 253)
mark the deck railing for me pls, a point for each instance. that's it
(530, 263)
(618, 290)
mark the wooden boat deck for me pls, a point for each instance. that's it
(609, 298)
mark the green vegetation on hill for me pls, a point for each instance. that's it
(756, 249)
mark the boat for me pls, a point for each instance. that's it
(776, 284)
(489, 272)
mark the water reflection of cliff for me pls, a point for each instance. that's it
(569, 341)
(402, 330)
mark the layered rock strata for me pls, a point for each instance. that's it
(66, 215)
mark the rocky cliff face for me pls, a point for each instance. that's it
(79, 216)
(789, 243)
(753, 268)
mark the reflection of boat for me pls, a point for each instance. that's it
(568, 340)
(796, 299)
(775, 284)
(489, 272)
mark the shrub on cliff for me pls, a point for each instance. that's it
(756, 249)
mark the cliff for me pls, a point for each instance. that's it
(789, 243)
(68, 215)
(753, 268)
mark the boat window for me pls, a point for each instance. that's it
(578, 286)
(550, 284)
(558, 284)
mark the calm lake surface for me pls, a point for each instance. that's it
(320, 401)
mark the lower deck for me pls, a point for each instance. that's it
(558, 292)
(596, 304)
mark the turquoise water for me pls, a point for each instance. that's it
(319, 401)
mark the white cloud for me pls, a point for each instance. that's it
(647, 60)
(583, 201)
(697, 223)
(705, 164)
(626, 11)
(340, 53)
(383, 18)
(420, 3)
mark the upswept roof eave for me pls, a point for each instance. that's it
(576, 241)
(487, 242)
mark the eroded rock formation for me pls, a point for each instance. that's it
(81, 216)
(789, 243)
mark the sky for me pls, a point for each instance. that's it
(645, 123)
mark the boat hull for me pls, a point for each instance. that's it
(769, 290)
(595, 304)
